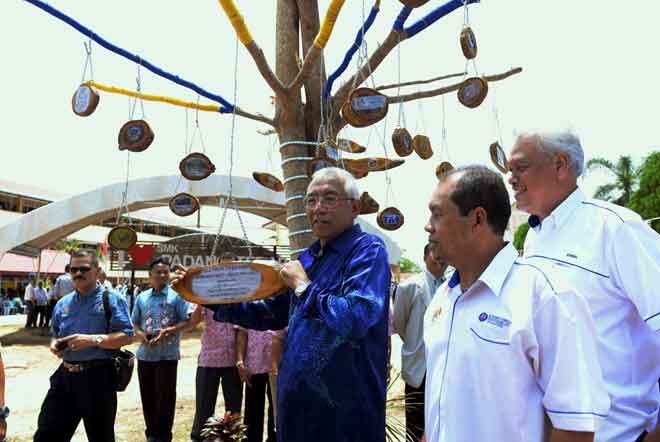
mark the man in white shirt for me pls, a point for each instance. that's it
(410, 302)
(612, 258)
(30, 306)
(508, 344)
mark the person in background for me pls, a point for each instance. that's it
(104, 281)
(159, 316)
(41, 298)
(4, 410)
(30, 306)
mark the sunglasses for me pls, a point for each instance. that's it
(83, 269)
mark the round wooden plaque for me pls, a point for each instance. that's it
(468, 43)
(364, 107)
(413, 3)
(269, 181)
(184, 204)
(135, 135)
(472, 92)
(422, 145)
(196, 166)
(84, 100)
(122, 237)
(231, 282)
(402, 142)
(498, 157)
(390, 219)
(442, 169)
(368, 204)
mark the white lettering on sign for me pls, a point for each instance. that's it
(167, 248)
(234, 281)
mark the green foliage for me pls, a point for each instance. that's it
(406, 265)
(625, 174)
(67, 245)
(646, 200)
(520, 235)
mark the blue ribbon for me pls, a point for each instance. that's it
(435, 15)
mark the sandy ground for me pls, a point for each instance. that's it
(29, 365)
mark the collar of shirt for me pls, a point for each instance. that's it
(562, 212)
(160, 293)
(496, 271)
(337, 245)
(433, 282)
(84, 298)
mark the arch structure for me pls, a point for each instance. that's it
(41, 227)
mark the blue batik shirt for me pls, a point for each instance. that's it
(332, 376)
(153, 311)
(84, 314)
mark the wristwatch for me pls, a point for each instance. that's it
(300, 288)
(98, 340)
(4, 412)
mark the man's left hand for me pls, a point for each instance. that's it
(162, 333)
(79, 342)
(293, 273)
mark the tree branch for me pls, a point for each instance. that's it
(256, 117)
(447, 89)
(265, 70)
(411, 83)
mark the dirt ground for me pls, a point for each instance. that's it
(29, 365)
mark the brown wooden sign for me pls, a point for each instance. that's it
(422, 145)
(84, 100)
(472, 92)
(368, 204)
(498, 157)
(373, 164)
(443, 168)
(196, 166)
(269, 181)
(184, 204)
(122, 237)
(348, 146)
(390, 219)
(364, 107)
(468, 43)
(402, 142)
(136, 136)
(413, 3)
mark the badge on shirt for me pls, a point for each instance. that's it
(494, 320)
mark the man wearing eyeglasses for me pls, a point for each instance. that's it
(332, 376)
(82, 387)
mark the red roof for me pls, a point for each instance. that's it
(52, 262)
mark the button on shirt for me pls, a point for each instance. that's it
(412, 298)
(76, 313)
(153, 311)
(516, 345)
(612, 258)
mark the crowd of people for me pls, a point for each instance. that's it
(558, 342)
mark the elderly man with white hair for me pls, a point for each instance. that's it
(612, 258)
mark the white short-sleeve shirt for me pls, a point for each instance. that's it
(612, 258)
(517, 345)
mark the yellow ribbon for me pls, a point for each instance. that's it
(237, 21)
(328, 23)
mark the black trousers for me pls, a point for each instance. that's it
(207, 382)
(158, 392)
(415, 410)
(31, 310)
(87, 395)
(41, 314)
(254, 409)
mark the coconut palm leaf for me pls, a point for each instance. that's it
(625, 177)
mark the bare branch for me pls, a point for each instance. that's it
(256, 117)
(411, 83)
(266, 132)
(447, 89)
(265, 70)
(308, 64)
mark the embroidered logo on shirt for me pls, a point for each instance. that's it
(494, 320)
(570, 255)
(437, 314)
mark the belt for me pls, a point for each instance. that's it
(77, 367)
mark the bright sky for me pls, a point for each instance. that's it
(586, 65)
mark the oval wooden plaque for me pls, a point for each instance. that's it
(231, 282)
(402, 142)
(122, 237)
(390, 218)
(442, 169)
(267, 180)
(184, 204)
(84, 100)
(368, 204)
(472, 92)
(364, 107)
(358, 174)
(498, 157)
(373, 164)
(422, 145)
(348, 146)
(468, 43)
(318, 164)
(196, 166)
(135, 135)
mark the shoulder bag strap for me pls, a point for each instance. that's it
(107, 310)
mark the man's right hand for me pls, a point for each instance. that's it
(178, 275)
(244, 373)
(3, 429)
(54, 349)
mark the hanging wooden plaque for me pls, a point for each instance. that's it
(402, 142)
(442, 169)
(498, 157)
(358, 174)
(184, 204)
(269, 181)
(390, 219)
(348, 146)
(472, 92)
(364, 107)
(196, 166)
(84, 100)
(468, 43)
(371, 164)
(368, 204)
(231, 282)
(422, 145)
(122, 237)
(318, 164)
(135, 135)
(413, 3)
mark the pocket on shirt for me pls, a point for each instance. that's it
(488, 334)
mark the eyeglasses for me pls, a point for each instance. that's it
(327, 201)
(83, 269)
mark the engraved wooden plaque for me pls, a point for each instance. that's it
(231, 282)
(196, 166)
(498, 157)
(184, 204)
(368, 204)
(468, 43)
(413, 3)
(122, 237)
(135, 135)
(364, 107)
(390, 219)
(348, 146)
(373, 164)
(442, 169)
(402, 142)
(84, 100)
(422, 145)
(472, 92)
(269, 181)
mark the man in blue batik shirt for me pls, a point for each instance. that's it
(332, 375)
(159, 316)
(83, 387)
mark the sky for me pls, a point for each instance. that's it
(587, 65)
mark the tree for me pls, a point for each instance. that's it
(407, 265)
(520, 235)
(646, 200)
(625, 175)
(67, 245)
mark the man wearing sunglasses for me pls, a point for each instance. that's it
(331, 380)
(82, 386)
